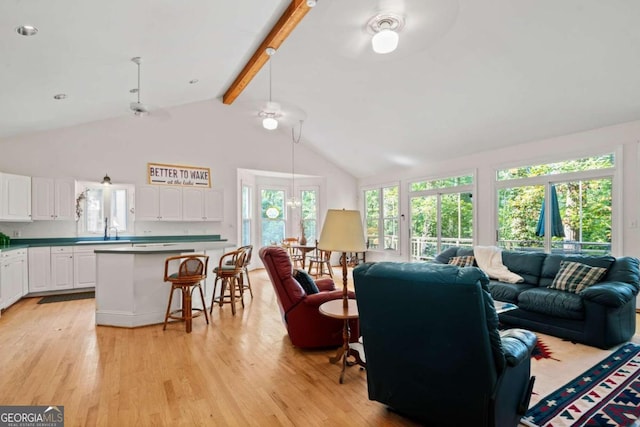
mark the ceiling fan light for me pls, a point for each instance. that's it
(269, 123)
(385, 41)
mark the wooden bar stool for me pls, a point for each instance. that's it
(245, 268)
(230, 276)
(191, 272)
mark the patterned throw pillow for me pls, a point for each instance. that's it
(575, 276)
(306, 281)
(462, 261)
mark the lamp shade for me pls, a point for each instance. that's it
(385, 41)
(342, 232)
(269, 123)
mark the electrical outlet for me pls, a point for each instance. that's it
(633, 223)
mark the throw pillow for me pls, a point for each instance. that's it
(306, 281)
(575, 276)
(462, 261)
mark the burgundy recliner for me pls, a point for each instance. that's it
(306, 326)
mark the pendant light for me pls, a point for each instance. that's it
(269, 120)
(293, 202)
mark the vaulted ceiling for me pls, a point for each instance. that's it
(468, 75)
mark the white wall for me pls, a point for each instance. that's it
(202, 134)
(622, 139)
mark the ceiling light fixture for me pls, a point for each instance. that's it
(385, 29)
(106, 180)
(269, 120)
(312, 3)
(27, 30)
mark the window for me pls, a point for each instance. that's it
(105, 208)
(245, 231)
(309, 214)
(381, 218)
(441, 215)
(561, 207)
(272, 216)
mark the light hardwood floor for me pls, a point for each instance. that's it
(237, 371)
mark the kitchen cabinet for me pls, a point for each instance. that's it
(39, 269)
(84, 267)
(13, 276)
(15, 197)
(202, 204)
(155, 203)
(61, 267)
(53, 199)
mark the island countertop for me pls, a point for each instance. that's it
(145, 250)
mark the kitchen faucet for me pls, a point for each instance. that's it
(106, 228)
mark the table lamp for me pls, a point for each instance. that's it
(342, 232)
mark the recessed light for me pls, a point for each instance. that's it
(27, 30)
(60, 96)
(193, 81)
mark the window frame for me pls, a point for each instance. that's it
(382, 218)
(107, 190)
(614, 173)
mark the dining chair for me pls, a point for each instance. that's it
(295, 254)
(320, 259)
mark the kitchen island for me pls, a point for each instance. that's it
(130, 291)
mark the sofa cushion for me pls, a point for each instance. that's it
(306, 281)
(552, 302)
(527, 265)
(454, 251)
(507, 292)
(551, 265)
(575, 276)
(462, 261)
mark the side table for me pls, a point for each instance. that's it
(337, 310)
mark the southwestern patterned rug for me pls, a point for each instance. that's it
(608, 394)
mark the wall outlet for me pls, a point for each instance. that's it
(17, 233)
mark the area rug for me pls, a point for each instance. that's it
(67, 297)
(608, 394)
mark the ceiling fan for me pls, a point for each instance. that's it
(139, 108)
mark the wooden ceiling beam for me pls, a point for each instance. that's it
(291, 17)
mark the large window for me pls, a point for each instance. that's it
(272, 216)
(105, 208)
(558, 207)
(309, 214)
(245, 231)
(381, 218)
(441, 215)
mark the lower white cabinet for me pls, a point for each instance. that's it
(13, 276)
(39, 269)
(61, 267)
(84, 267)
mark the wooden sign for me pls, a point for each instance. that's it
(185, 176)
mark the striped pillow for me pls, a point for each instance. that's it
(574, 276)
(462, 261)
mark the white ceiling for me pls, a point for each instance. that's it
(468, 76)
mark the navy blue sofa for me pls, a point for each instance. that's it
(602, 315)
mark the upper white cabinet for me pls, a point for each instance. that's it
(199, 204)
(15, 197)
(53, 199)
(155, 203)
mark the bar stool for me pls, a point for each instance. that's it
(229, 271)
(191, 272)
(245, 268)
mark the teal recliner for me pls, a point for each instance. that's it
(433, 349)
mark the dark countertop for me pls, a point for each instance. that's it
(130, 240)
